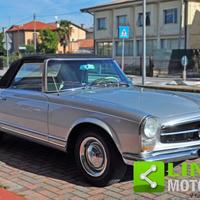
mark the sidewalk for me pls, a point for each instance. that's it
(41, 173)
(170, 83)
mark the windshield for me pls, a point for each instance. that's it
(68, 74)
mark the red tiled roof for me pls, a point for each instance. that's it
(30, 26)
(86, 43)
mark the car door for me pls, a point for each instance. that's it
(23, 106)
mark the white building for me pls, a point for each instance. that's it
(165, 27)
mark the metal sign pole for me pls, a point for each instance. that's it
(123, 34)
(144, 43)
(6, 45)
(184, 63)
(184, 73)
(7, 51)
(35, 34)
(123, 54)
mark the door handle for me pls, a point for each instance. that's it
(3, 98)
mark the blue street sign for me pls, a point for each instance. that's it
(123, 32)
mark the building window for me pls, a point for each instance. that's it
(122, 20)
(170, 16)
(29, 41)
(101, 23)
(169, 44)
(128, 48)
(104, 48)
(151, 45)
(140, 19)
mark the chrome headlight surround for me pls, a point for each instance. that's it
(150, 127)
(149, 131)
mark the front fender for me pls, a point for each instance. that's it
(102, 125)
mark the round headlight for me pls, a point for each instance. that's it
(151, 127)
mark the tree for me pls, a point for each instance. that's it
(64, 33)
(48, 41)
(30, 48)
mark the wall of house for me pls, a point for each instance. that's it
(161, 37)
(77, 33)
(132, 12)
(17, 38)
(108, 33)
(21, 38)
(29, 37)
(157, 32)
(169, 29)
(194, 25)
(152, 29)
(123, 11)
(89, 35)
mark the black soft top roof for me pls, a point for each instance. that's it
(14, 67)
(42, 57)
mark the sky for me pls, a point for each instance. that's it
(21, 11)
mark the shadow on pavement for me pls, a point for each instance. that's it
(44, 161)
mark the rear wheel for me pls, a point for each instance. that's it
(98, 158)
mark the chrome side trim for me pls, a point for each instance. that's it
(21, 128)
(56, 138)
(180, 132)
(14, 132)
(9, 128)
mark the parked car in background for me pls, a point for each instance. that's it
(86, 105)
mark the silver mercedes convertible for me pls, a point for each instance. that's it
(85, 105)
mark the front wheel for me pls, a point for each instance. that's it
(98, 158)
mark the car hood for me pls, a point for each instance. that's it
(151, 102)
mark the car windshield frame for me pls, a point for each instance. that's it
(125, 79)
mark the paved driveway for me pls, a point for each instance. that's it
(39, 173)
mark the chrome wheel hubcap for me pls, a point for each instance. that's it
(93, 156)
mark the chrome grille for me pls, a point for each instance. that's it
(180, 133)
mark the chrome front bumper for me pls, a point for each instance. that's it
(172, 155)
